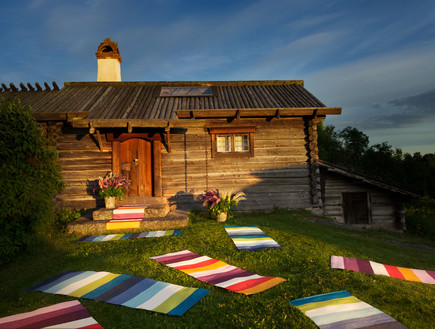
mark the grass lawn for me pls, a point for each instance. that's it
(304, 260)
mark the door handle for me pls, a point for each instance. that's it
(136, 162)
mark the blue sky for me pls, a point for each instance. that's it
(375, 59)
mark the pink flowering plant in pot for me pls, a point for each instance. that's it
(221, 202)
(112, 185)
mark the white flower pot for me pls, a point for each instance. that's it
(109, 202)
(222, 217)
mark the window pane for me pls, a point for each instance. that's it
(223, 143)
(241, 143)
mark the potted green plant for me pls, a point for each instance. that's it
(220, 204)
(110, 187)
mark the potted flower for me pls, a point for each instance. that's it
(110, 187)
(219, 204)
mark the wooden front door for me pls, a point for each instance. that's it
(136, 164)
(355, 208)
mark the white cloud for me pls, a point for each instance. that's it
(374, 79)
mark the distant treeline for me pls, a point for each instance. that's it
(350, 148)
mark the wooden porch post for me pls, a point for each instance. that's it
(157, 168)
(115, 157)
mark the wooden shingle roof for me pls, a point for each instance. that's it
(142, 100)
(346, 172)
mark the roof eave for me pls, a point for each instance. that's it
(59, 116)
(365, 179)
(267, 112)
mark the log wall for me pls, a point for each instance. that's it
(82, 162)
(278, 174)
(386, 208)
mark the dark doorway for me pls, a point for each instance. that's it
(355, 208)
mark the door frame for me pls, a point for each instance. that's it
(156, 162)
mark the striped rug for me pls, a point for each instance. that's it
(342, 310)
(141, 235)
(369, 267)
(63, 315)
(218, 273)
(126, 217)
(122, 289)
(250, 238)
(130, 212)
(119, 224)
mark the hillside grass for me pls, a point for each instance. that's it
(304, 260)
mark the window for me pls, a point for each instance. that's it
(185, 91)
(241, 143)
(232, 142)
(223, 143)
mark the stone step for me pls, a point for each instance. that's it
(155, 210)
(148, 200)
(174, 219)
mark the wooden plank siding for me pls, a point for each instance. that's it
(277, 175)
(82, 162)
(384, 206)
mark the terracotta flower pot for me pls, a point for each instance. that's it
(109, 202)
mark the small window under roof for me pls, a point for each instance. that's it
(185, 91)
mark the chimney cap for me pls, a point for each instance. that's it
(108, 49)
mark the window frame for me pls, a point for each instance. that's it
(232, 132)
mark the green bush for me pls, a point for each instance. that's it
(30, 178)
(420, 218)
(67, 215)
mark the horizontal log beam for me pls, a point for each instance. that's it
(119, 123)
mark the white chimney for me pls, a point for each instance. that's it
(109, 61)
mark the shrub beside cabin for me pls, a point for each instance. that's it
(177, 139)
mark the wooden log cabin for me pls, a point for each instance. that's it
(359, 200)
(176, 139)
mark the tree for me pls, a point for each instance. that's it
(30, 178)
(355, 143)
(329, 144)
(344, 147)
(350, 148)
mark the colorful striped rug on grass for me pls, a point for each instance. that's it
(218, 273)
(126, 290)
(369, 267)
(70, 314)
(250, 238)
(141, 235)
(340, 309)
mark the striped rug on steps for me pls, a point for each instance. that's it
(130, 212)
(127, 217)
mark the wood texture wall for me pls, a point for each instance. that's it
(385, 207)
(82, 162)
(277, 176)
